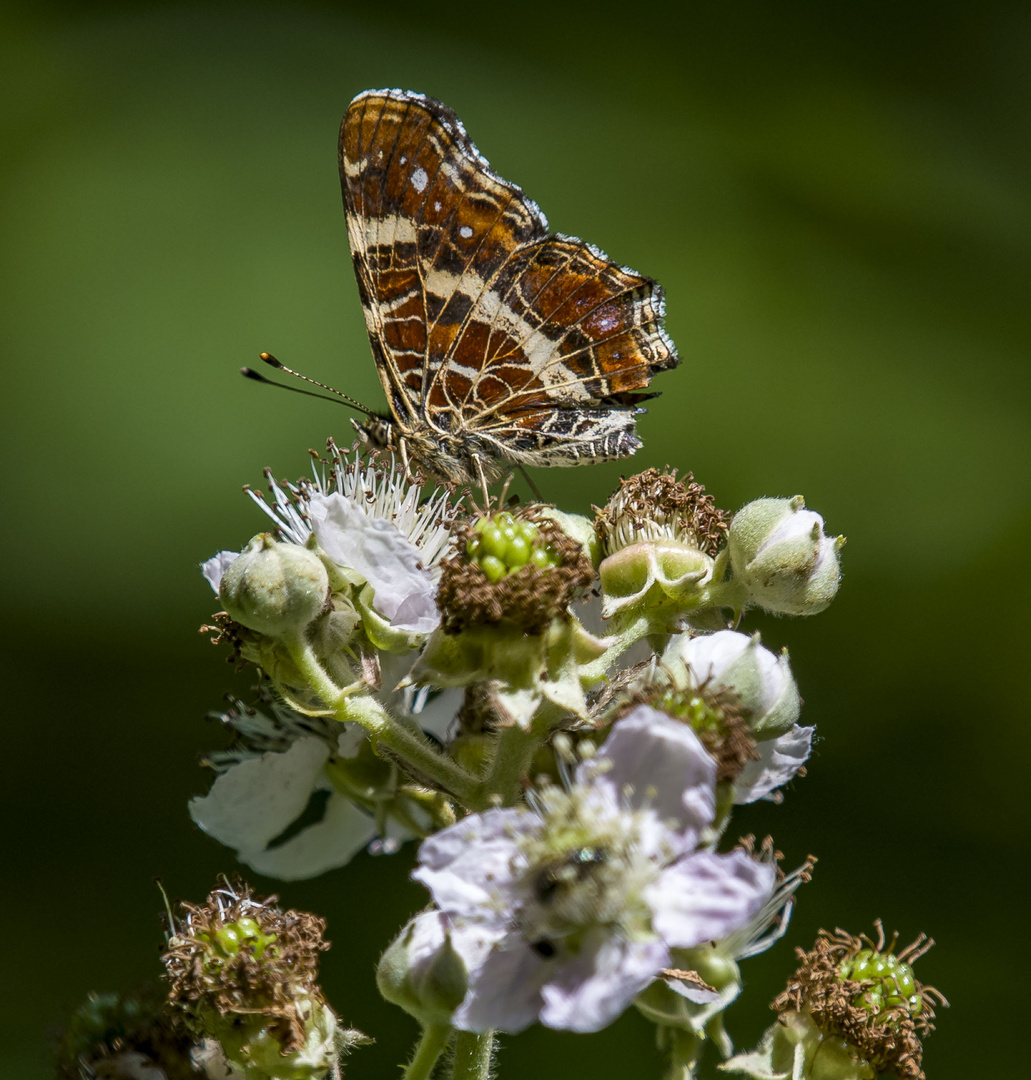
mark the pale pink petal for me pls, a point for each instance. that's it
(216, 566)
(706, 896)
(589, 992)
(470, 867)
(504, 990)
(663, 765)
(385, 557)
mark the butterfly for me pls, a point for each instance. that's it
(497, 342)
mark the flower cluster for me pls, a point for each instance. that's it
(561, 709)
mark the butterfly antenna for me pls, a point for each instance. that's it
(269, 359)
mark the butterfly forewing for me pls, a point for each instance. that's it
(524, 347)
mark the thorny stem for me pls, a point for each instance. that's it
(431, 1043)
(472, 1056)
(407, 743)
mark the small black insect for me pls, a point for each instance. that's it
(570, 869)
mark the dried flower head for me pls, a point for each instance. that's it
(865, 993)
(241, 956)
(659, 538)
(657, 506)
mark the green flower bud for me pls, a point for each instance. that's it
(274, 588)
(778, 550)
(422, 972)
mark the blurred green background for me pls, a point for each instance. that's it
(836, 200)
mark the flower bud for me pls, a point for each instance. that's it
(421, 971)
(273, 587)
(779, 551)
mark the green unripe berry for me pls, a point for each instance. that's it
(543, 558)
(503, 544)
(493, 567)
(893, 982)
(231, 938)
(517, 551)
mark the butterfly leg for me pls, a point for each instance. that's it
(402, 447)
(533, 487)
(483, 478)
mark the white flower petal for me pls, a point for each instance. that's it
(216, 566)
(504, 989)
(695, 994)
(588, 993)
(779, 760)
(334, 841)
(470, 867)
(664, 764)
(254, 801)
(706, 896)
(388, 560)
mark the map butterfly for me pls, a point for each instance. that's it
(497, 343)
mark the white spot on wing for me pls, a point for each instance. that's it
(419, 179)
(465, 232)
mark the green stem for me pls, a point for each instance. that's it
(473, 1055)
(683, 1058)
(431, 1043)
(513, 754)
(407, 743)
(731, 594)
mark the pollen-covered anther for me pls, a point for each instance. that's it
(520, 569)
(866, 994)
(241, 956)
(656, 505)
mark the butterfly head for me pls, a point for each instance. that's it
(377, 432)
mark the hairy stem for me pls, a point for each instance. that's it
(473, 1055)
(407, 743)
(431, 1043)
(513, 753)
